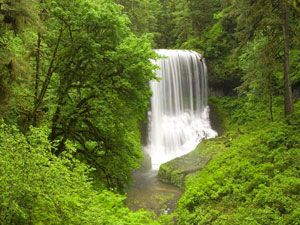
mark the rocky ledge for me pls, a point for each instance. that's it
(179, 169)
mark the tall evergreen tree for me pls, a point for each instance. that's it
(270, 18)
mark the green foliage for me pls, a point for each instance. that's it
(37, 187)
(275, 25)
(218, 42)
(77, 69)
(183, 23)
(258, 63)
(17, 20)
(207, 27)
(263, 76)
(87, 81)
(86, 85)
(144, 16)
(256, 180)
(179, 169)
(224, 30)
(295, 66)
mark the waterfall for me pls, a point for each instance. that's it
(179, 116)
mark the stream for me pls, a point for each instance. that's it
(149, 193)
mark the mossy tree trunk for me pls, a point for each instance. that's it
(288, 98)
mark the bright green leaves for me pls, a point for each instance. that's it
(260, 67)
(87, 82)
(17, 17)
(133, 57)
(141, 13)
(295, 66)
(256, 181)
(38, 188)
(101, 76)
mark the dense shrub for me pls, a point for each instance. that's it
(37, 187)
(256, 181)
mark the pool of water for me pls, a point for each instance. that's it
(149, 193)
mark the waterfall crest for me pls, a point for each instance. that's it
(179, 116)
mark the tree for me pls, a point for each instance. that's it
(166, 21)
(144, 16)
(271, 19)
(37, 187)
(99, 71)
(288, 97)
(88, 82)
(17, 20)
(261, 72)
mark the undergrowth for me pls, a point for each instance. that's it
(256, 180)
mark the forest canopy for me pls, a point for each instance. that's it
(230, 34)
(74, 88)
(77, 69)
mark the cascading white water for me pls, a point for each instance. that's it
(179, 116)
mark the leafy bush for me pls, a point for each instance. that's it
(256, 181)
(36, 187)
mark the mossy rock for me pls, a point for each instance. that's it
(175, 171)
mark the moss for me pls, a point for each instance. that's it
(177, 170)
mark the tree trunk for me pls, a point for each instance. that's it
(40, 97)
(288, 98)
(37, 77)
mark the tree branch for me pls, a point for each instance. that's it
(49, 74)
